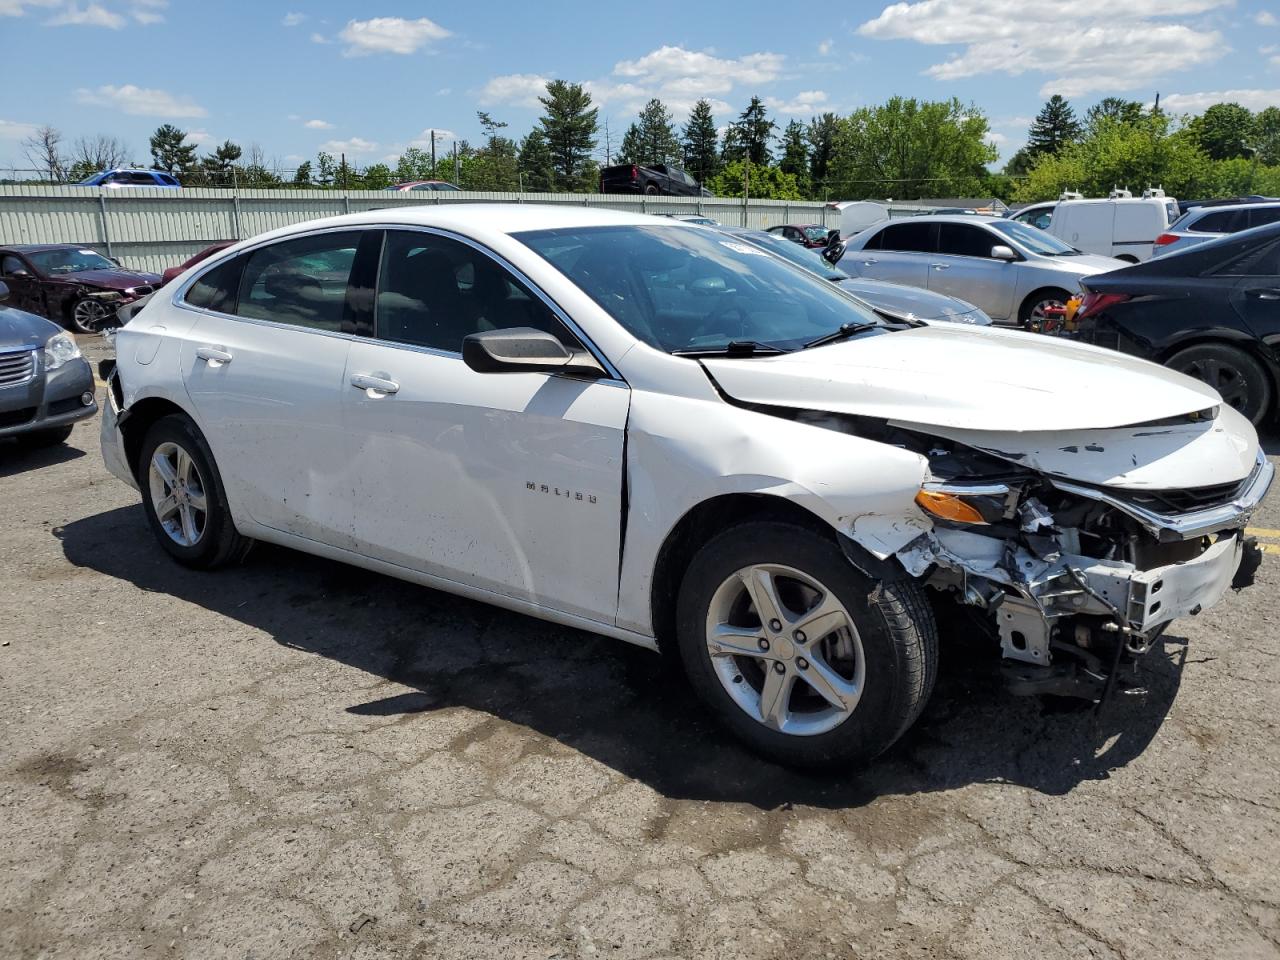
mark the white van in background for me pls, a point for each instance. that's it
(1122, 226)
(854, 216)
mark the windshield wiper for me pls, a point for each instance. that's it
(846, 331)
(735, 348)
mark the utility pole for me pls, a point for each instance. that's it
(457, 165)
(608, 144)
(433, 155)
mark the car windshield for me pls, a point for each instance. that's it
(800, 256)
(687, 288)
(71, 260)
(815, 233)
(1034, 239)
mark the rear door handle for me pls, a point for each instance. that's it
(869, 263)
(375, 386)
(940, 266)
(215, 356)
(1267, 294)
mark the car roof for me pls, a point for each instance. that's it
(41, 247)
(1192, 260)
(1205, 208)
(946, 218)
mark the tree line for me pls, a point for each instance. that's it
(902, 149)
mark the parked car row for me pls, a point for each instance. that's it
(664, 433)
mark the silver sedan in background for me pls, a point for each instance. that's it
(1014, 272)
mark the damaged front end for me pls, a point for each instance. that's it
(1075, 578)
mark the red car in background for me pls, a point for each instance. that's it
(810, 235)
(204, 254)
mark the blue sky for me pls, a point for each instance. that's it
(369, 79)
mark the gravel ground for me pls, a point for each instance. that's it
(297, 759)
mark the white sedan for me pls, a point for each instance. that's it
(659, 433)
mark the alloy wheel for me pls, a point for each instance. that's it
(178, 494)
(88, 316)
(785, 649)
(1229, 381)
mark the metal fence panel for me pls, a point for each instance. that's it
(150, 229)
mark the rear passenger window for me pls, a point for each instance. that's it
(216, 289)
(434, 291)
(908, 237)
(1261, 216)
(302, 282)
(1219, 222)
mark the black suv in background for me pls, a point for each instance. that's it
(661, 178)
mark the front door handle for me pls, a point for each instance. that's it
(869, 263)
(215, 356)
(374, 386)
(940, 266)
(1267, 294)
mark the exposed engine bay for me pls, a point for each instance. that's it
(1072, 578)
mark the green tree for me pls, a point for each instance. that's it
(569, 125)
(748, 137)
(413, 164)
(1019, 163)
(795, 155)
(535, 164)
(821, 135)
(766, 183)
(701, 143)
(1224, 131)
(326, 169)
(170, 151)
(499, 165)
(652, 138)
(302, 176)
(376, 177)
(1053, 128)
(905, 148)
(217, 166)
(1266, 135)
(1115, 109)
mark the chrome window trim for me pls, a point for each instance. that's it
(178, 299)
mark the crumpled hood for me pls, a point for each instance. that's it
(912, 301)
(21, 329)
(113, 279)
(974, 378)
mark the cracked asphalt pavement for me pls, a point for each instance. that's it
(293, 758)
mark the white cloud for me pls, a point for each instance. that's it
(518, 89)
(1265, 18)
(1108, 47)
(319, 38)
(318, 125)
(444, 91)
(352, 145)
(824, 47)
(202, 137)
(1197, 102)
(147, 12)
(12, 130)
(293, 19)
(805, 103)
(140, 101)
(92, 15)
(389, 35)
(423, 140)
(18, 8)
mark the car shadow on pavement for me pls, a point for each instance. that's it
(622, 705)
(16, 457)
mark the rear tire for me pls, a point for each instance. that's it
(875, 651)
(1241, 379)
(183, 496)
(651, 189)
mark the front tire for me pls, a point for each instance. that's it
(183, 496)
(88, 316)
(837, 668)
(1236, 375)
(1035, 311)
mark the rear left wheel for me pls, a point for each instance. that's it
(1238, 377)
(801, 656)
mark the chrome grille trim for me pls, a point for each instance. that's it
(17, 368)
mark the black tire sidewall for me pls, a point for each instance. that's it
(1260, 396)
(1040, 296)
(220, 538)
(877, 719)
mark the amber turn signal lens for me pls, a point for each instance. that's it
(948, 506)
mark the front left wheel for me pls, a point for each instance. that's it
(804, 658)
(183, 496)
(89, 316)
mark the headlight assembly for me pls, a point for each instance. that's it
(967, 503)
(60, 349)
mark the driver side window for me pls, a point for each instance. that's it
(11, 265)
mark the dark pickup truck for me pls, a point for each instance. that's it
(661, 178)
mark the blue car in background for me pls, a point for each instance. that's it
(130, 178)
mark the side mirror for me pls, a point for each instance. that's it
(834, 252)
(1002, 252)
(525, 350)
(20, 272)
(4, 291)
